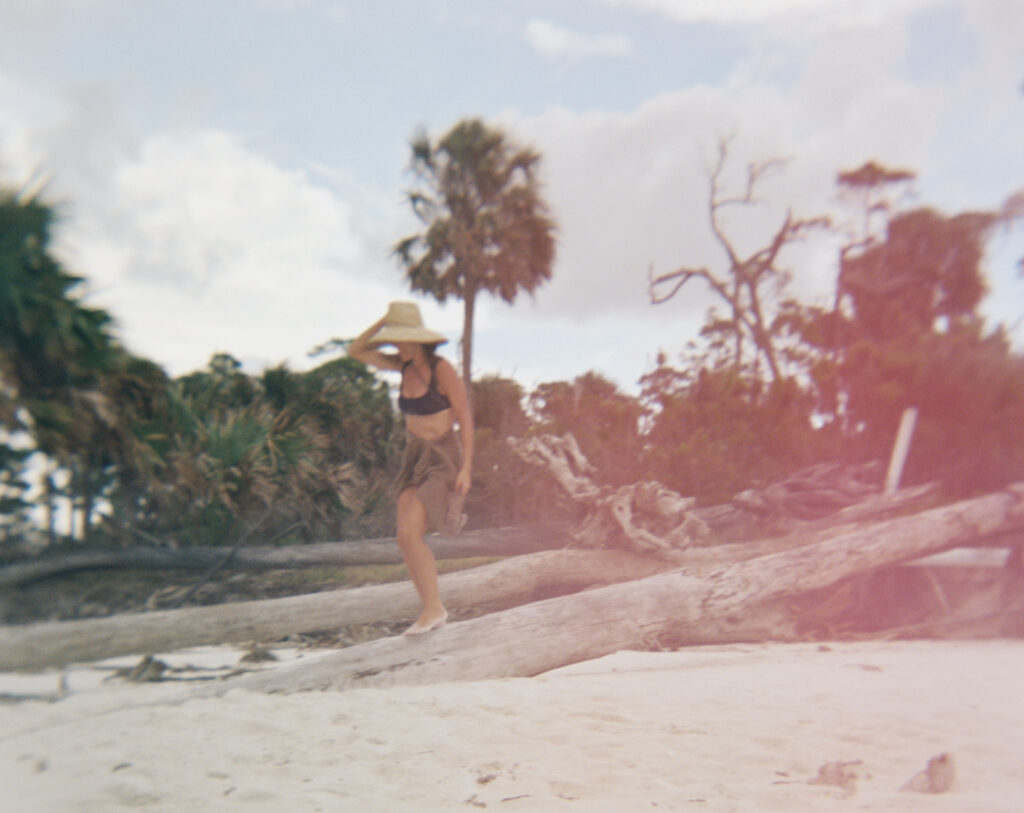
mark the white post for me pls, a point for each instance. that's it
(900, 449)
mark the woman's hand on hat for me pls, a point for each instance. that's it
(359, 348)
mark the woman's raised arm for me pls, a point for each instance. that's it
(359, 350)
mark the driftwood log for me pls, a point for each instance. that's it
(486, 588)
(544, 635)
(492, 587)
(814, 492)
(500, 585)
(510, 541)
(645, 516)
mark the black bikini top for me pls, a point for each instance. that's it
(430, 403)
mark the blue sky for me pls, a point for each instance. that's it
(231, 171)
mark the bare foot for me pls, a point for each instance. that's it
(427, 622)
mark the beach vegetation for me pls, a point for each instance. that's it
(99, 446)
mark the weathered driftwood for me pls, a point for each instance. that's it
(490, 587)
(742, 519)
(647, 516)
(534, 638)
(914, 600)
(644, 516)
(510, 541)
(814, 492)
(486, 588)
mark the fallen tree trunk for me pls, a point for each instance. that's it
(489, 587)
(510, 541)
(535, 638)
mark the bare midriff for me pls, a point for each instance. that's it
(430, 427)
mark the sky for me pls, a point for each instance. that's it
(230, 174)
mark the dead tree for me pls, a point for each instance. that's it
(747, 283)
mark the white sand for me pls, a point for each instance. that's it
(726, 728)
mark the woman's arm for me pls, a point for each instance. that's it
(358, 350)
(450, 384)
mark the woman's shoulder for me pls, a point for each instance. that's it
(444, 372)
(442, 365)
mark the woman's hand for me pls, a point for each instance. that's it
(358, 349)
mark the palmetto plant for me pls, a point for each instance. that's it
(297, 454)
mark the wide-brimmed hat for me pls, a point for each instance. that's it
(403, 323)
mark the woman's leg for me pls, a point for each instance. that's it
(419, 561)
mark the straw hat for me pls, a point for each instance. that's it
(403, 323)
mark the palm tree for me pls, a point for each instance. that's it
(487, 228)
(54, 351)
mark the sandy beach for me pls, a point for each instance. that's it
(722, 728)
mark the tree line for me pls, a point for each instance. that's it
(771, 384)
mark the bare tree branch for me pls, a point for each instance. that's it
(742, 286)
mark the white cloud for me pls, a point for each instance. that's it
(554, 40)
(334, 10)
(16, 153)
(731, 12)
(630, 189)
(287, 5)
(207, 246)
(198, 242)
(630, 192)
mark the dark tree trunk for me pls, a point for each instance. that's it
(511, 541)
(469, 313)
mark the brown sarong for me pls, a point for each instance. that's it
(431, 466)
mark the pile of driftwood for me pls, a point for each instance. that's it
(648, 517)
(637, 572)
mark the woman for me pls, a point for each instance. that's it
(436, 468)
